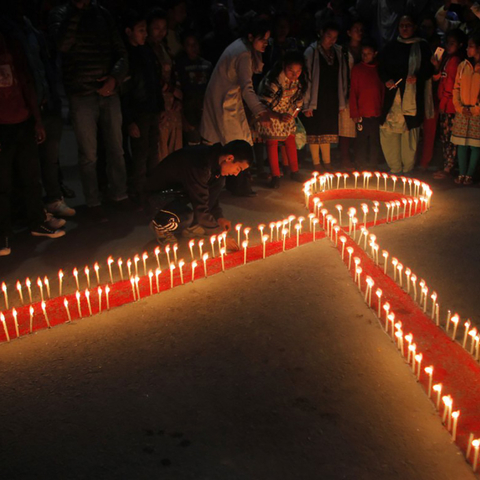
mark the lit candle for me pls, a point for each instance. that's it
(354, 224)
(15, 321)
(455, 319)
(377, 174)
(213, 239)
(65, 304)
(409, 339)
(419, 358)
(99, 292)
(339, 176)
(87, 274)
(343, 240)
(97, 273)
(40, 286)
(413, 350)
(429, 372)
(408, 272)
(77, 295)
(28, 284)
(172, 268)
(297, 228)
(358, 271)
(5, 329)
(75, 274)
(264, 242)
(200, 247)
(284, 234)
(400, 276)
(394, 263)
(120, 269)
(473, 334)
(379, 295)
(413, 278)
(345, 176)
(194, 265)
(476, 445)
(375, 211)
(271, 225)
(129, 267)
(368, 290)
(469, 446)
(386, 307)
(238, 228)
(404, 201)
(465, 336)
(145, 258)
(136, 259)
(455, 416)
(438, 388)
(394, 178)
(222, 254)
(150, 281)
(181, 263)
(137, 281)
(157, 253)
(107, 295)
(157, 273)
(246, 232)
(311, 216)
(410, 204)
(336, 229)
(349, 251)
(385, 263)
(31, 318)
(339, 208)
(315, 223)
(109, 263)
(356, 175)
(205, 258)
(387, 204)
(399, 336)
(175, 249)
(446, 402)
(245, 246)
(44, 308)
(365, 213)
(404, 180)
(385, 176)
(261, 228)
(87, 296)
(19, 290)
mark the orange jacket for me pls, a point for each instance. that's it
(467, 88)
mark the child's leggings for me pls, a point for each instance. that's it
(272, 151)
(465, 154)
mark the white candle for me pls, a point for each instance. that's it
(129, 267)
(60, 283)
(194, 265)
(145, 258)
(349, 251)
(339, 208)
(5, 329)
(65, 304)
(87, 274)
(385, 263)
(28, 284)
(238, 228)
(167, 250)
(345, 176)
(120, 269)
(429, 372)
(132, 284)
(19, 290)
(400, 276)
(172, 268)
(136, 259)
(44, 308)
(107, 295)
(465, 336)
(205, 258)
(181, 263)
(356, 175)
(150, 281)
(157, 253)
(375, 210)
(455, 319)
(418, 359)
(31, 318)
(394, 263)
(438, 388)
(40, 287)
(315, 223)
(109, 263)
(15, 321)
(343, 239)
(157, 274)
(200, 248)
(264, 241)
(385, 176)
(213, 239)
(75, 274)
(455, 416)
(245, 246)
(413, 278)
(284, 234)
(137, 281)
(96, 267)
(297, 228)
(222, 253)
(87, 295)
(379, 296)
(99, 293)
(469, 446)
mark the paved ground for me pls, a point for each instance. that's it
(276, 370)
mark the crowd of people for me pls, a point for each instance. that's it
(168, 98)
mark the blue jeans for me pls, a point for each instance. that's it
(88, 113)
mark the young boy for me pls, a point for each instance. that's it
(366, 99)
(142, 104)
(193, 73)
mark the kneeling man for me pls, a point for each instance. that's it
(194, 176)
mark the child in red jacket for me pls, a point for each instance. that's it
(366, 99)
(445, 73)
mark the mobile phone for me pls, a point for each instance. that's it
(439, 53)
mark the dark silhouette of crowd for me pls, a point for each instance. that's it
(226, 90)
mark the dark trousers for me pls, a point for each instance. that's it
(48, 152)
(19, 162)
(369, 136)
(145, 153)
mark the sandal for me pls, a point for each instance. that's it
(468, 180)
(441, 174)
(460, 179)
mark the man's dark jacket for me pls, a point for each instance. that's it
(196, 171)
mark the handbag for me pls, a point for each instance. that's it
(300, 134)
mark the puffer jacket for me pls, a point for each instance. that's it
(90, 45)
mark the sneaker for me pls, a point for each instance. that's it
(4, 247)
(60, 209)
(163, 238)
(274, 183)
(53, 222)
(43, 230)
(96, 214)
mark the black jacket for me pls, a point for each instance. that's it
(91, 47)
(142, 89)
(196, 171)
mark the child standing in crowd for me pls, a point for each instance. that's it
(366, 99)
(325, 94)
(352, 53)
(142, 103)
(193, 74)
(466, 125)
(446, 71)
(282, 91)
(171, 118)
